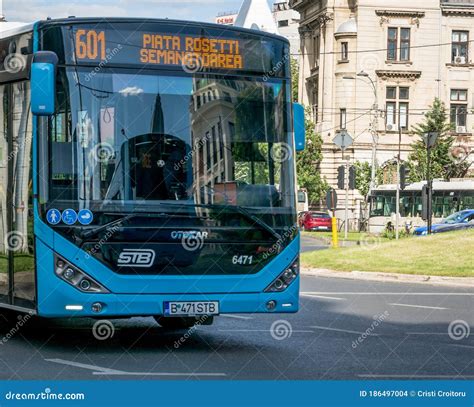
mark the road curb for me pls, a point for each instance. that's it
(391, 277)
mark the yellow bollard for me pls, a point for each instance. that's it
(335, 239)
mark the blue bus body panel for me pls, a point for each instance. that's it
(144, 295)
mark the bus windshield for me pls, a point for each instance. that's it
(122, 140)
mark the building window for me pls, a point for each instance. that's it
(221, 139)
(405, 44)
(344, 51)
(459, 117)
(227, 97)
(215, 145)
(283, 23)
(460, 47)
(313, 101)
(316, 49)
(342, 119)
(315, 113)
(231, 130)
(397, 107)
(459, 110)
(208, 151)
(459, 95)
(392, 43)
(403, 114)
(398, 44)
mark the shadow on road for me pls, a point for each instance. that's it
(325, 340)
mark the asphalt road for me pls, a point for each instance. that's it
(408, 327)
(309, 244)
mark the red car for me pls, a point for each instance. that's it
(316, 221)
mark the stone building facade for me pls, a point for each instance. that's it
(373, 67)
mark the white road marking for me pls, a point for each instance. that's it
(98, 370)
(263, 330)
(235, 316)
(159, 374)
(416, 306)
(461, 346)
(82, 365)
(418, 376)
(324, 297)
(325, 328)
(426, 333)
(382, 293)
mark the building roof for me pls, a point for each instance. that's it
(348, 27)
(11, 28)
(256, 14)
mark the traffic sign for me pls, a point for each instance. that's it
(343, 140)
(331, 200)
(430, 138)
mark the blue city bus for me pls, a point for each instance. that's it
(147, 168)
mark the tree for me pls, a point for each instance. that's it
(363, 177)
(294, 78)
(307, 165)
(443, 162)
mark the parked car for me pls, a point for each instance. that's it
(457, 221)
(315, 221)
(301, 216)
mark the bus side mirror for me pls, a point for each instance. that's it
(299, 127)
(43, 83)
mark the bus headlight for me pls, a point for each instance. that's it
(282, 282)
(77, 278)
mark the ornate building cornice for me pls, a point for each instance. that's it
(400, 13)
(296, 4)
(457, 11)
(413, 15)
(316, 21)
(405, 75)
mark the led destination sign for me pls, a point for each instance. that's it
(191, 51)
(157, 45)
(164, 49)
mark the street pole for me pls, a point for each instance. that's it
(429, 184)
(374, 126)
(346, 209)
(397, 210)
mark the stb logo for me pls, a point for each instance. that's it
(136, 258)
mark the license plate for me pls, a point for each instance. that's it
(191, 308)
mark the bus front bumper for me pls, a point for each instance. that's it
(67, 302)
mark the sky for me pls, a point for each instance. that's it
(199, 10)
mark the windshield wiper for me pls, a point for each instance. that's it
(241, 210)
(258, 221)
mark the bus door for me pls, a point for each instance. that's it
(17, 278)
